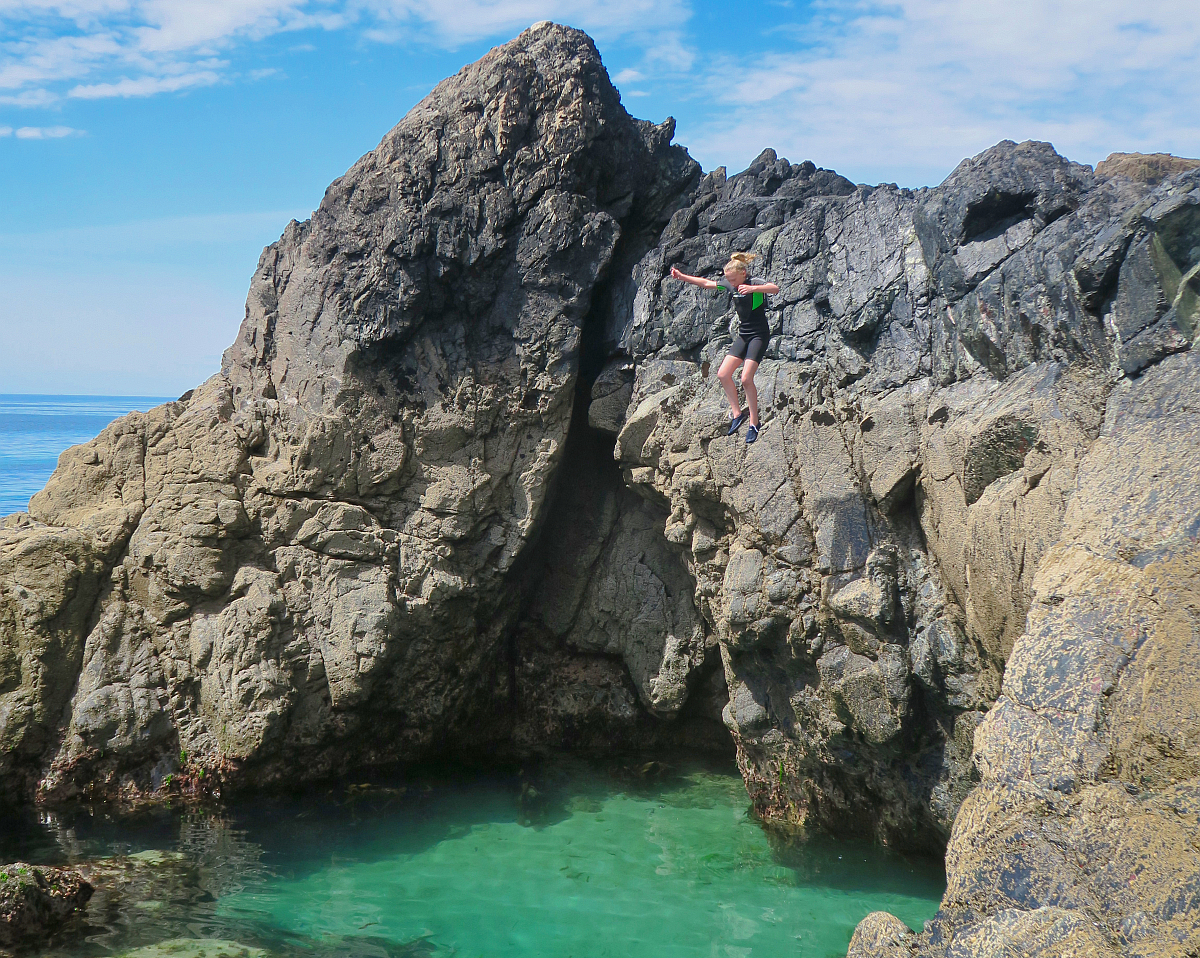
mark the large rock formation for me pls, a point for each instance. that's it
(463, 484)
(975, 477)
(309, 562)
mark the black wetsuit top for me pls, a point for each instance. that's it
(751, 309)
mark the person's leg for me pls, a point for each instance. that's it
(729, 366)
(748, 371)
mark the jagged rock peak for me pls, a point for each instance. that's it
(464, 211)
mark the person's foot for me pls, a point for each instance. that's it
(751, 434)
(736, 423)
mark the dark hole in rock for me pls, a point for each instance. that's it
(994, 213)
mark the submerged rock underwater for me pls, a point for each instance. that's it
(461, 487)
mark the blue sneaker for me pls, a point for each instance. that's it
(736, 424)
(751, 434)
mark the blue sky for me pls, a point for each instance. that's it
(149, 149)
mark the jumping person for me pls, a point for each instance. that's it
(754, 332)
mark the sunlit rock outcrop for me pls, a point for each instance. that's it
(306, 564)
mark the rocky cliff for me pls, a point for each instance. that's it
(462, 485)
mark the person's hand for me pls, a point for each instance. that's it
(675, 274)
(745, 288)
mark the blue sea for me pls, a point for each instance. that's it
(35, 430)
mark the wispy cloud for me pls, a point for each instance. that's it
(91, 49)
(28, 98)
(45, 132)
(904, 91)
(105, 48)
(144, 86)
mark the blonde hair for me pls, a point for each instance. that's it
(740, 262)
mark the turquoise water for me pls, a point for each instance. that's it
(34, 430)
(571, 861)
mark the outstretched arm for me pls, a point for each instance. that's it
(760, 288)
(694, 280)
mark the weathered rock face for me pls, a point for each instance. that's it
(961, 413)
(1150, 168)
(1083, 834)
(463, 483)
(307, 563)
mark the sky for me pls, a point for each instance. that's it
(150, 149)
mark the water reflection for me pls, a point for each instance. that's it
(566, 859)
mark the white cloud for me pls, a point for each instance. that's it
(6, 131)
(105, 48)
(29, 98)
(454, 22)
(46, 132)
(122, 48)
(144, 86)
(905, 91)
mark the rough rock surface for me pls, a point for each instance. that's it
(980, 402)
(463, 483)
(36, 901)
(308, 563)
(1150, 168)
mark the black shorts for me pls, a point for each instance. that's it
(750, 346)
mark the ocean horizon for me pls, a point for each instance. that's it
(36, 429)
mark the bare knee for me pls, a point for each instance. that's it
(725, 375)
(747, 378)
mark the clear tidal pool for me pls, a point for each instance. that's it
(572, 860)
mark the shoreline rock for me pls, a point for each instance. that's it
(37, 900)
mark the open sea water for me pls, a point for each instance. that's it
(34, 431)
